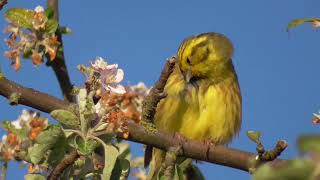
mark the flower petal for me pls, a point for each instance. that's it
(118, 89)
(119, 76)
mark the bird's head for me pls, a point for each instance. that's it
(204, 56)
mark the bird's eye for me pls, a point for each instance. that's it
(188, 61)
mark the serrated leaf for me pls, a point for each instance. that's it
(309, 143)
(50, 136)
(51, 26)
(37, 152)
(254, 136)
(86, 147)
(111, 153)
(65, 117)
(34, 177)
(20, 17)
(49, 12)
(297, 22)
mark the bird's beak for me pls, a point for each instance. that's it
(188, 75)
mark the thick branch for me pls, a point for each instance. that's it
(58, 64)
(196, 150)
(31, 97)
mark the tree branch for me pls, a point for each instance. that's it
(66, 162)
(58, 64)
(31, 97)
(196, 150)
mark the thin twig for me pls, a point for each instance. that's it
(156, 93)
(58, 64)
(274, 153)
(66, 162)
(3, 3)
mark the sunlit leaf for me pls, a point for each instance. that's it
(65, 30)
(124, 151)
(37, 152)
(20, 17)
(50, 135)
(65, 117)
(254, 136)
(178, 174)
(111, 154)
(34, 177)
(309, 143)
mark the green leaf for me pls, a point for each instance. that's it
(295, 170)
(50, 136)
(51, 26)
(111, 153)
(297, 22)
(49, 12)
(34, 177)
(86, 147)
(65, 117)
(37, 152)
(58, 151)
(65, 30)
(125, 169)
(254, 136)
(20, 17)
(124, 151)
(178, 174)
(309, 143)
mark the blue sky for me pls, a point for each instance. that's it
(278, 71)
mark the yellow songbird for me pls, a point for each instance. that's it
(204, 99)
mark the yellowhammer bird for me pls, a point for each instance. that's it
(204, 100)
